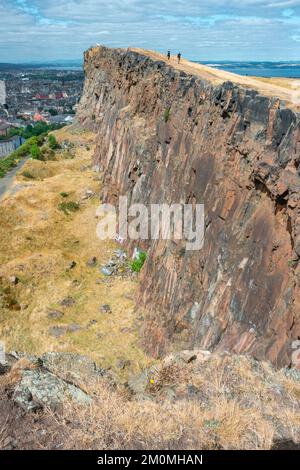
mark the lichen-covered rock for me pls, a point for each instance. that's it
(41, 389)
(49, 380)
(72, 366)
(168, 137)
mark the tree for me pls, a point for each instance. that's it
(28, 132)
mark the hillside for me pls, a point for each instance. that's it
(51, 290)
(195, 351)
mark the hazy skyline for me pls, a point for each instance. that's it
(45, 30)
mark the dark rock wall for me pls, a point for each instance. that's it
(164, 136)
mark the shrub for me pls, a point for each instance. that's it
(35, 152)
(167, 114)
(27, 174)
(52, 142)
(9, 162)
(68, 207)
(24, 150)
(137, 264)
(47, 153)
(64, 194)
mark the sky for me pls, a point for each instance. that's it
(48, 30)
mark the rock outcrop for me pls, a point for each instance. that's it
(166, 136)
(37, 383)
(189, 400)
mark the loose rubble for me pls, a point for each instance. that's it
(117, 266)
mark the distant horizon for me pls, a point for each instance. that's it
(80, 61)
(267, 69)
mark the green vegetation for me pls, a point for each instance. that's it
(13, 159)
(137, 264)
(52, 142)
(64, 194)
(167, 114)
(32, 131)
(68, 207)
(182, 252)
(35, 152)
(35, 139)
(6, 164)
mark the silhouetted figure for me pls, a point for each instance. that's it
(169, 55)
(178, 57)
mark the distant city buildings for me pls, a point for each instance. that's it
(33, 95)
(5, 127)
(30, 96)
(2, 92)
(38, 118)
(61, 119)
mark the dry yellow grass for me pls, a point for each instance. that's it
(284, 89)
(37, 244)
(113, 422)
(239, 404)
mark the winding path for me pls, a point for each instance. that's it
(7, 181)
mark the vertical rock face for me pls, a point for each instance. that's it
(164, 136)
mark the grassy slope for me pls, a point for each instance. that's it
(37, 244)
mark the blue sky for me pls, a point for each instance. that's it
(201, 29)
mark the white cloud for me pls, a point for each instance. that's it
(206, 29)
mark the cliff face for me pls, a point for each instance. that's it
(165, 136)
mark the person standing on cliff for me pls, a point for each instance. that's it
(169, 55)
(179, 57)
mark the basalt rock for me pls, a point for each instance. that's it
(164, 136)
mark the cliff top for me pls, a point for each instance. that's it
(285, 89)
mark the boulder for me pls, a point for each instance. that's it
(41, 389)
(49, 380)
